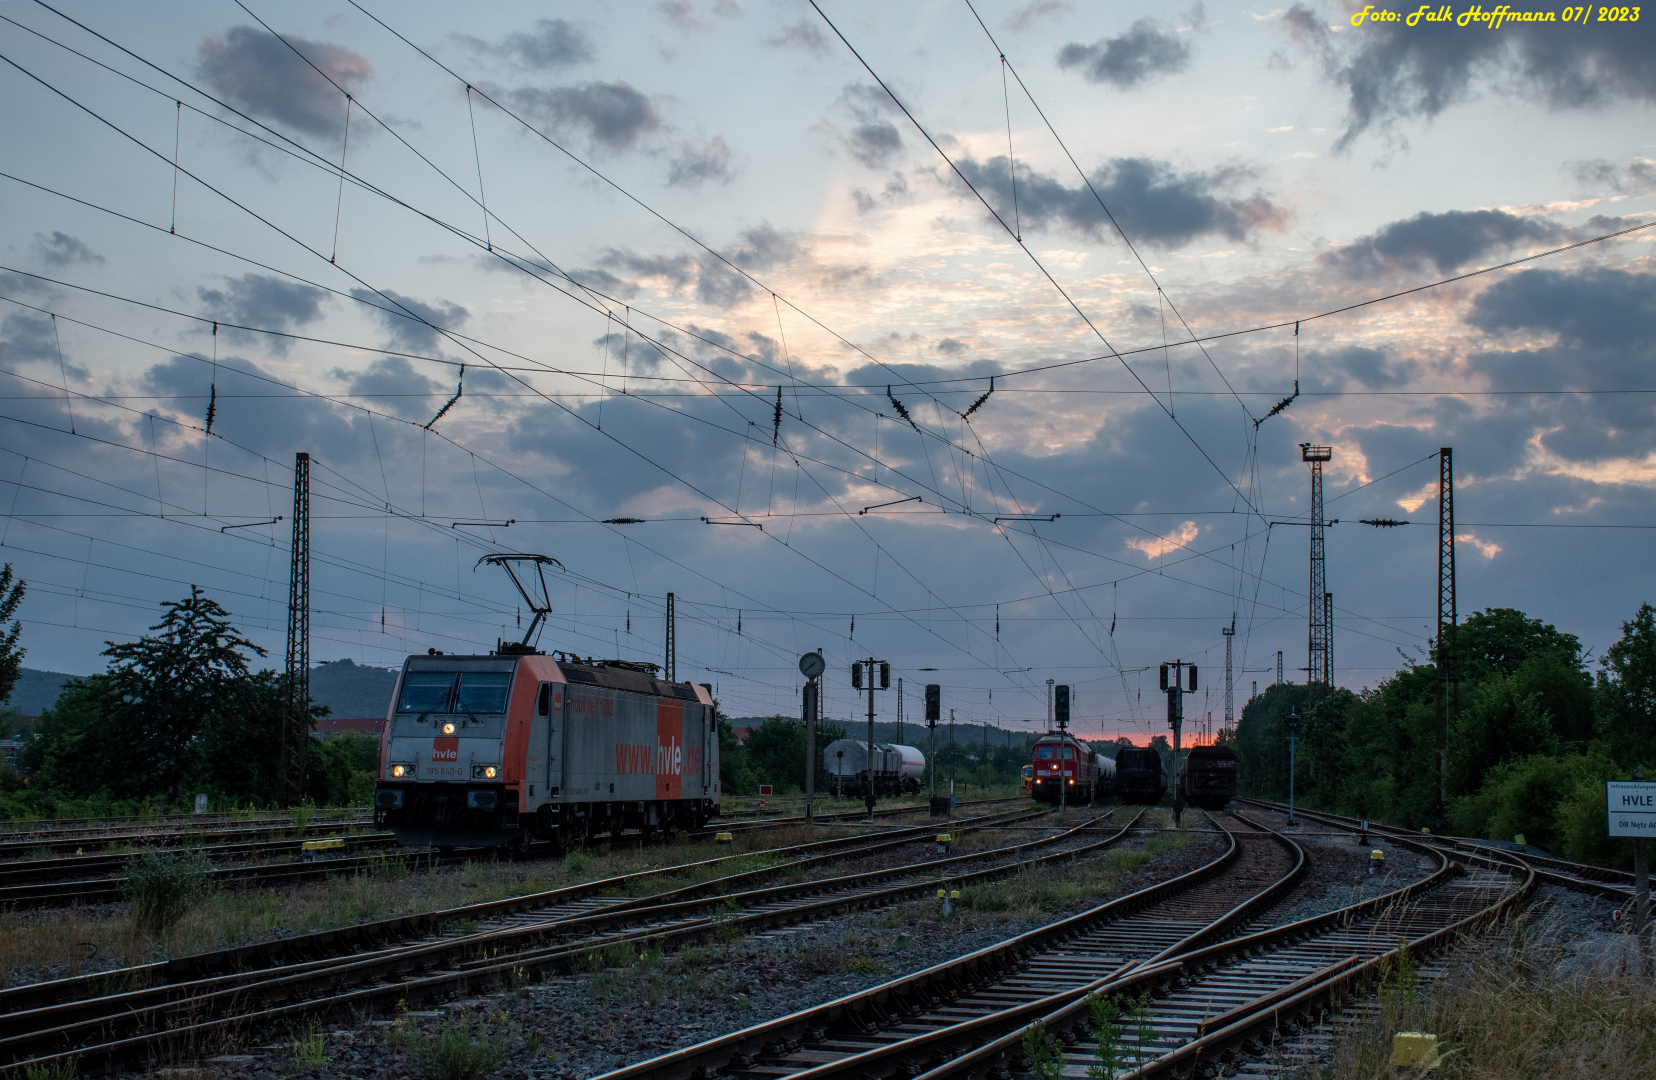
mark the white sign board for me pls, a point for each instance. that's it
(1632, 808)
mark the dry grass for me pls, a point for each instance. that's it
(37, 945)
(1515, 1005)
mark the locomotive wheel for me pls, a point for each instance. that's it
(520, 843)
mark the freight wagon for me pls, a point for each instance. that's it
(491, 751)
(897, 769)
(1207, 776)
(1139, 775)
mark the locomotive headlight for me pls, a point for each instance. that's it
(399, 771)
(485, 772)
(448, 728)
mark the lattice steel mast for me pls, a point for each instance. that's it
(1318, 647)
(296, 719)
(1446, 603)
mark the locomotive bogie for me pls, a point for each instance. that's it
(485, 751)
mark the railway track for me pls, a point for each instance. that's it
(1204, 1009)
(63, 881)
(899, 1027)
(1598, 880)
(33, 848)
(104, 1020)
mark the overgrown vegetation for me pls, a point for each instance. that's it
(460, 1048)
(1533, 736)
(163, 886)
(1516, 1005)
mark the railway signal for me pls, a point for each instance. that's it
(1293, 736)
(934, 713)
(1175, 717)
(871, 669)
(811, 665)
(1061, 717)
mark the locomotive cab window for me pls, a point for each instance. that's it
(1043, 753)
(1069, 753)
(426, 692)
(483, 692)
(544, 706)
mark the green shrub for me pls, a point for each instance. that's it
(62, 1070)
(457, 1051)
(163, 886)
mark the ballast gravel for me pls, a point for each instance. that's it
(577, 1026)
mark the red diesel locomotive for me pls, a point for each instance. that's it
(1062, 760)
(491, 751)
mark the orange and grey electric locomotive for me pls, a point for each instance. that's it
(485, 751)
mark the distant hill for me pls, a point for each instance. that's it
(347, 689)
(37, 690)
(352, 690)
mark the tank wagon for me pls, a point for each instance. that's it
(493, 750)
(1207, 776)
(898, 769)
(1062, 759)
(1139, 775)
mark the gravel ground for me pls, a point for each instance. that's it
(577, 1026)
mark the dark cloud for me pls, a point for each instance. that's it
(269, 303)
(1370, 367)
(874, 140)
(1391, 71)
(951, 346)
(896, 191)
(764, 247)
(875, 143)
(705, 278)
(1142, 53)
(61, 249)
(1154, 203)
(694, 165)
(1639, 175)
(263, 78)
(415, 331)
(1034, 12)
(547, 45)
(1445, 242)
(391, 384)
(27, 336)
(1600, 308)
(613, 115)
(801, 35)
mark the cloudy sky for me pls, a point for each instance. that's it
(743, 271)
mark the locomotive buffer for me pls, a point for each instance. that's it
(1175, 719)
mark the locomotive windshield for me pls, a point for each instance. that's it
(477, 692)
(1043, 753)
(483, 692)
(426, 692)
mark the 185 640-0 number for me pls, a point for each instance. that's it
(1605, 14)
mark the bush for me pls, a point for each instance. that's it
(457, 1052)
(164, 885)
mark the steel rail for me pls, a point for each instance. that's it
(1580, 877)
(232, 994)
(13, 849)
(884, 1030)
(1276, 1010)
(326, 944)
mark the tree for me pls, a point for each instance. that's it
(11, 657)
(1627, 691)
